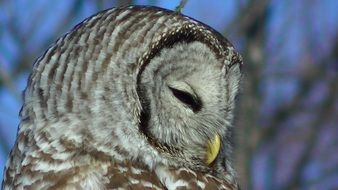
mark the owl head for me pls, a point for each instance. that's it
(137, 83)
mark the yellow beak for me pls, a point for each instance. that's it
(213, 149)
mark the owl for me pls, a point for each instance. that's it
(131, 98)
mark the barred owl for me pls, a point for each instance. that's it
(135, 97)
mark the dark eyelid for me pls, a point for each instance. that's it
(190, 100)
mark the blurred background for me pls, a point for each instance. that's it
(287, 115)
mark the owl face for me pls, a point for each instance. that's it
(186, 104)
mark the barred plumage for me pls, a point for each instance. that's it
(129, 98)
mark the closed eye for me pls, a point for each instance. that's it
(188, 99)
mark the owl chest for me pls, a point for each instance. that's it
(112, 176)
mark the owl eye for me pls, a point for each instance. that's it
(188, 99)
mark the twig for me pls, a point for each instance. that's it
(180, 7)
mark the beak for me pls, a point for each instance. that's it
(213, 149)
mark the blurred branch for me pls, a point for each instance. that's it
(313, 73)
(180, 7)
(7, 81)
(251, 14)
(282, 113)
(326, 108)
